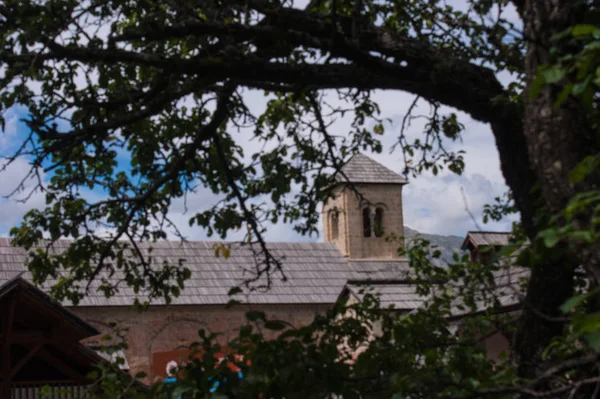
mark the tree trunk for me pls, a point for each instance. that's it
(557, 140)
(550, 284)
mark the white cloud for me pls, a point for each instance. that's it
(13, 209)
(435, 204)
(431, 204)
(9, 134)
(180, 214)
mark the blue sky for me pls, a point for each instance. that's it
(432, 204)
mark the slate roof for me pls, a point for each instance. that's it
(362, 169)
(486, 238)
(316, 272)
(508, 288)
(398, 295)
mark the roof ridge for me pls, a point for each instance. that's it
(242, 243)
(489, 232)
(361, 168)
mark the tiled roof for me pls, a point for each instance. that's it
(316, 272)
(508, 288)
(398, 295)
(487, 238)
(362, 169)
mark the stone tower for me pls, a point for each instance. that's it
(365, 211)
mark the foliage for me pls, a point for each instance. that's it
(126, 100)
(577, 75)
(146, 102)
(361, 350)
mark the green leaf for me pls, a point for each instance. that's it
(141, 374)
(553, 75)
(583, 30)
(576, 300)
(593, 340)
(588, 323)
(580, 87)
(474, 382)
(584, 68)
(378, 129)
(536, 86)
(235, 291)
(550, 237)
(231, 303)
(103, 79)
(572, 303)
(254, 315)
(564, 94)
(180, 390)
(275, 325)
(561, 35)
(586, 236)
(582, 169)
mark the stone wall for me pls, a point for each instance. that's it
(387, 196)
(336, 204)
(165, 328)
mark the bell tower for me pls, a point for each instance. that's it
(365, 211)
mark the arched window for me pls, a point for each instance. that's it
(333, 224)
(366, 215)
(378, 222)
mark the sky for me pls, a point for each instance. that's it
(432, 204)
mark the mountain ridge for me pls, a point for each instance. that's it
(447, 245)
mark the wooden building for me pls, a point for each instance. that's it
(40, 345)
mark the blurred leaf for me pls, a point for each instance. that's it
(583, 30)
(576, 300)
(255, 315)
(553, 74)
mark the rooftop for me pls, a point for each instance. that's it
(316, 272)
(399, 295)
(486, 238)
(362, 169)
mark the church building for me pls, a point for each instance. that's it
(357, 221)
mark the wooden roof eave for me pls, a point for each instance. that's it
(468, 241)
(29, 293)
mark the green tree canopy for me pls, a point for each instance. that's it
(161, 84)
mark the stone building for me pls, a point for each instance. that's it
(366, 208)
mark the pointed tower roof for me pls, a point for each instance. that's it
(362, 169)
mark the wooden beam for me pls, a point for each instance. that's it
(30, 337)
(25, 359)
(5, 353)
(9, 322)
(56, 362)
